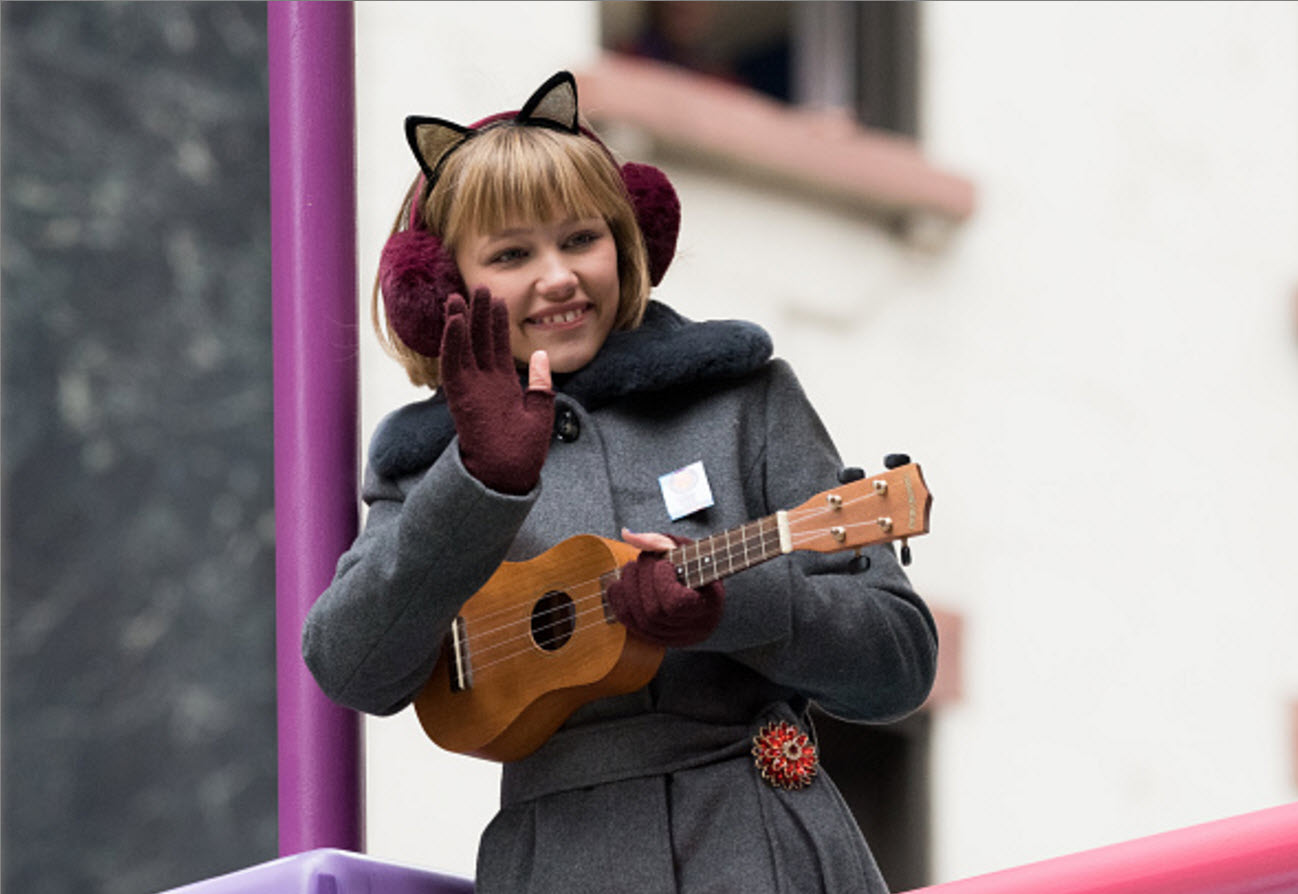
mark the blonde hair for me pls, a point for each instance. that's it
(507, 173)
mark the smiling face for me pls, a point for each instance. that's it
(543, 220)
(559, 280)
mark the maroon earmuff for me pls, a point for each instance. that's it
(416, 275)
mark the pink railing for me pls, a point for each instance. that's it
(1256, 853)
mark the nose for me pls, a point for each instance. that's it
(556, 280)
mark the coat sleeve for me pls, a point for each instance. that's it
(857, 640)
(430, 542)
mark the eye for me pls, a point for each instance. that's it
(583, 238)
(505, 256)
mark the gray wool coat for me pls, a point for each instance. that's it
(656, 790)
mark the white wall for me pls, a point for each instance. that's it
(1099, 374)
(1113, 398)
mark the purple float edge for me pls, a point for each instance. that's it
(310, 48)
(328, 870)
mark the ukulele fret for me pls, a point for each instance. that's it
(721, 555)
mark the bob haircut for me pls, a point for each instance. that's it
(509, 173)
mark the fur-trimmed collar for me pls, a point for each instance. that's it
(664, 351)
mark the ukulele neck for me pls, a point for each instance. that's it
(721, 555)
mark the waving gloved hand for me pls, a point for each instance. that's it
(504, 431)
(653, 604)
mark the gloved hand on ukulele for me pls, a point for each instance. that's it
(654, 605)
(504, 431)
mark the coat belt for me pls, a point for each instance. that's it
(627, 748)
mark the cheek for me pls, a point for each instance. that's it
(476, 276)
(608, 272)
(495, 282)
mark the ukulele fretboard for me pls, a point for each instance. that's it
(712, 558)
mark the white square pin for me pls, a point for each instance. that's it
(686, 490)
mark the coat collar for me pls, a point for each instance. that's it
(666, 350)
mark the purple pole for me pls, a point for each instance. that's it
(313, 277)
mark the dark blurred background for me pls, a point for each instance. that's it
(138, 541)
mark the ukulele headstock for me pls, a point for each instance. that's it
(893, 505)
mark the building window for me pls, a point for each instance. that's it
(861, 57)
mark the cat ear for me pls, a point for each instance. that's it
(554, 104)
(431, 140)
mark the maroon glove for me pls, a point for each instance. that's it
(654, 605)
(504, 431)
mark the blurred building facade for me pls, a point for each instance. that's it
(1091, 350)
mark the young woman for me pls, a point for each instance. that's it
(568, 403)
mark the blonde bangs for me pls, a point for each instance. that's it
(507, 174)
(550, 173)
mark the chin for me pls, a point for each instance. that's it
(569, 361)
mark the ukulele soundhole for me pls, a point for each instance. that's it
(554, 620)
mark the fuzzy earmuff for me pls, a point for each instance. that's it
(657, 211)
(417, 275)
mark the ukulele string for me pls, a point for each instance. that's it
(512, 609)
(552, 617)
(817, 515)
(558, 623)
(569, 620)
(808, 512)
(480, 667)
(733, 551)
(522, 630)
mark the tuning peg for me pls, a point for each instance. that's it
(893, 460)
(905, 551)
(848, 474)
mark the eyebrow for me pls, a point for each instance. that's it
(506, 234)
(513, 232)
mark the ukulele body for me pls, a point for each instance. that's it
(536, 643)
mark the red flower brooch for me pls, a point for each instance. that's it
(785, 756)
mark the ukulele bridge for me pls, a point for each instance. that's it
(457, 642)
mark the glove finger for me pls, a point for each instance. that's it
(624, 597)
(665, 595)
(685, 608)
(502, 356)
(455, 306)
(481, 323)
(454, 350)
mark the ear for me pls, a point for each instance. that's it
(554, 104)
(431, 140)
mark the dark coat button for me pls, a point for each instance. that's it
(567, 427)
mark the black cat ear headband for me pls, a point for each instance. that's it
(417, 275)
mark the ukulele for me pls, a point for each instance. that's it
(539, 640)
